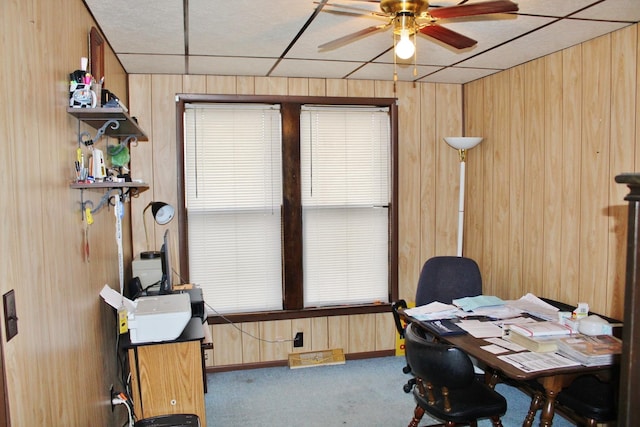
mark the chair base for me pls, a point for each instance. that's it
(418, 413)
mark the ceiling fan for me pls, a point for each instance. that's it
(409, 17)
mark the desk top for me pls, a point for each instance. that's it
(194, 331)
(472, 346)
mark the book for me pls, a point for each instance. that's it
(590, 350)
(539, 329)
(544, 344)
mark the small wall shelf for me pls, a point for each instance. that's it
(138, 186)
(113, 122)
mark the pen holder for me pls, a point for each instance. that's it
(81, 96)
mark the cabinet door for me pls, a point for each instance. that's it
(170, 379)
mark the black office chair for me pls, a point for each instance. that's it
(446, 385)
(589, 401)
(443, 279)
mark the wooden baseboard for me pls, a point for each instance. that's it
(285, 362)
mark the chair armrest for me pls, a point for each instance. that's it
(395, 308)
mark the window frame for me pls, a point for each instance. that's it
(290, 107)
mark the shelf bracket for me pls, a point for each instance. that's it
(82, 137)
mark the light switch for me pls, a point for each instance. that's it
(10, 315)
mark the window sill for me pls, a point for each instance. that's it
(214, 319)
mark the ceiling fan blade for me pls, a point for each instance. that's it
(481, 8)
(350, 37)
(448, 36)
(361, 10)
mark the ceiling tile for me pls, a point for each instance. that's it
(542, 42)
(245, 27)
(141, 26)
(225, 66)
(375, 71)
(458, 75)
(613, 10)
(160, 64)
(314, 68)
(281, 37)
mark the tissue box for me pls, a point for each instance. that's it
(159, 318)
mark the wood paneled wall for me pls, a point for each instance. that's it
(428, 171)
(544, 214)
(62, 362)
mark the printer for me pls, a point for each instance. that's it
(159, 317)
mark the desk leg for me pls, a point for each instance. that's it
(552, 386)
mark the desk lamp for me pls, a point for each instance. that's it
(462, 144)
(163, 214)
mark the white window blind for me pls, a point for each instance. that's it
(345, 157)
(233, 186)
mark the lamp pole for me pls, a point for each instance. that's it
(462, 144)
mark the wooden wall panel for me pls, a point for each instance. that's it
(552, 197)
(571, 131)
(319, 333)
(427, 193)
(573, 126)
(227, 345)
(63, 325)
(473, 95)
(385, 331)
(448, 122)
(534, 175)
(595, 175)
(251, 350)
(409, 209)
(517, 164)
(623, 126)
(362, 333)
(339, 332)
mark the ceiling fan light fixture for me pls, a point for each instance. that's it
(405, 47)
(404, 26)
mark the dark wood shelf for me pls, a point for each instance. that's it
(100, 116)
(139, 186)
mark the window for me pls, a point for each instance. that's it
(344, 157)
(288, 204)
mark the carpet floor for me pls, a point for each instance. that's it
(359, 393)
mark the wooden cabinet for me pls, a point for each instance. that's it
(166, 378)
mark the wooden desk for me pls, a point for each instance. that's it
(553, 380)
(166, 377)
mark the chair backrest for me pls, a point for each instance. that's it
(437, 363)
(445, 278)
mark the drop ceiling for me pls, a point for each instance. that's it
(280, 38)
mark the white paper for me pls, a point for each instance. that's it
(432, 311)
(115, 300)
(529, 361)
(506, 344)
(495, 349)
(533, 305)
(480, 329)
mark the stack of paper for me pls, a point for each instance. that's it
(433, 311)
(480, 301)
(535, 306)
(590, 350)
(541, 329)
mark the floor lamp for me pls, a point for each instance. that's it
(462, 144)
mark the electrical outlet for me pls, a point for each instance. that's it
(298, 341)
(10, 314)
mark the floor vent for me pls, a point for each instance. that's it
(316, 358)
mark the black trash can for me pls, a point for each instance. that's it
(174, 420)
